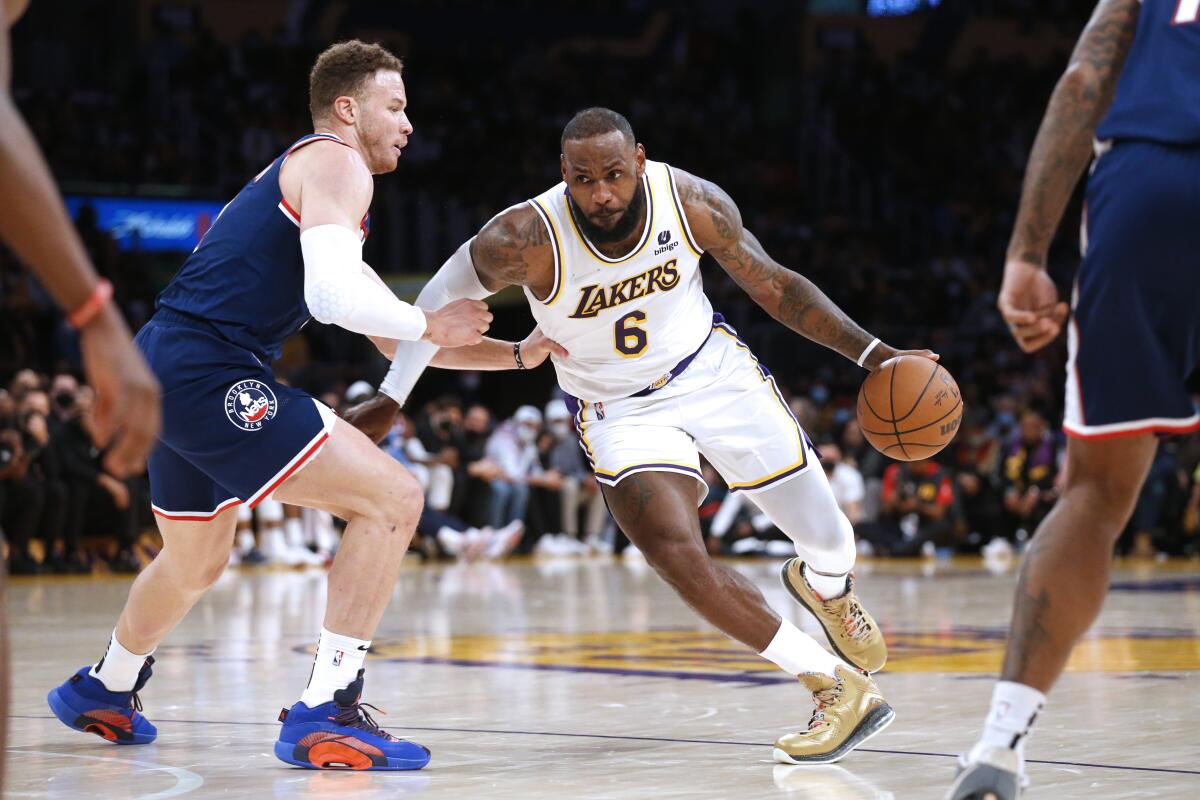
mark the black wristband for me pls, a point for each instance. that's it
(517, 355)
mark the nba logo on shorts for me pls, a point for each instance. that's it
(249, 404)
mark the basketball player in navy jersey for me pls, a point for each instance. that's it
(286, 250)
(1133, 339)
(35, 224)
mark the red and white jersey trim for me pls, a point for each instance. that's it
(307, 454)
(1075, 422)
(195, 516)
(1133, 428)
(291, 213)
(294, 216)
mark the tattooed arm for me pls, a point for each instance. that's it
(787, 296)
(1028, 299)
(514, 249)
(1064, 141)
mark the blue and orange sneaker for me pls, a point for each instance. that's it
(82, 702)
(340, 734)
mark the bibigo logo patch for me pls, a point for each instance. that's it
(249, 404)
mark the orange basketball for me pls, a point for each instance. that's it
(909, 408)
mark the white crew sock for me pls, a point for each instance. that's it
(795, 652)
(119, 668)
(1014, 708)
(339, 658)
(827, 586)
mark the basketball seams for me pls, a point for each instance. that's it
(907, 431)
(925, 388)
(892, 403)
(871, 408)
(875, 426)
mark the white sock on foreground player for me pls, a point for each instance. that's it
(1014, 708)
(336, 666)
(795, 652)
(119, 668)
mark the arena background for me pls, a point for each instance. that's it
(875, 146)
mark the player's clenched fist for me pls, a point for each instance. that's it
(1030, 306)
(456, 324)
(127, 412)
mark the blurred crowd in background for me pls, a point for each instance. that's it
(881, 158)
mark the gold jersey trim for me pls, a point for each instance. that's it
(559, 278)
(638, 248)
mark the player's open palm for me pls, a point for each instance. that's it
(458, 324)
(537, 347)
(1030, 306)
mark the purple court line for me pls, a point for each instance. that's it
(1166, 770)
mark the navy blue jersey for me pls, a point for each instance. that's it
(1158, 96)
(246, 277)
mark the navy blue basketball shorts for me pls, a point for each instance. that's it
(231, 433)
(1134, 336)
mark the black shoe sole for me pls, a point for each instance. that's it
(872, 724)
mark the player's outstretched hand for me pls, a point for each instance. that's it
(458, 324)
(373, 417)
(537, 347)
(127, 413)
(1030, 306)
(883, 352)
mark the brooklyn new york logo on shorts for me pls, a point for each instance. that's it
(249, 404)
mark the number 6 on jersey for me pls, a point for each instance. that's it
(630, 340)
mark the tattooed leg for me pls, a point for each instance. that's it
(1065, 573)
(657, 511)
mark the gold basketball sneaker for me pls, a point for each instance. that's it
(849, 711)
(851, 631)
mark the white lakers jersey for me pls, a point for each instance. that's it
(625, 321)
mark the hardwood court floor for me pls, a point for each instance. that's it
(589, 679)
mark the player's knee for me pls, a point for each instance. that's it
(674, 554)
(827, 538)
(197, 575)
(1102, 494)
(398, 501)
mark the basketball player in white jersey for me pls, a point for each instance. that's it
(609, 260)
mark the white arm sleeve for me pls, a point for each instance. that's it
(338, 293)
(456, 280)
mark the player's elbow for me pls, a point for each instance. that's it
(329, 301)
(1081, 85)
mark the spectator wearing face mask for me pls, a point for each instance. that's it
(434, 471)
(513, 449)
(847, 484)
(579, 494)
(473, 486)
